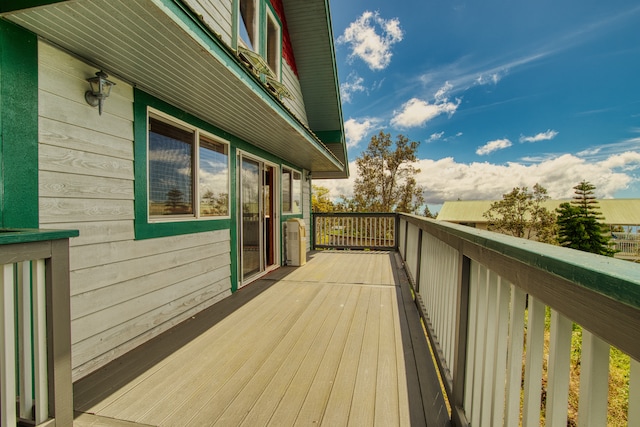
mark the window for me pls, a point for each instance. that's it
(274, 44)
(248, 24)
(291, 191)
(260, 31)
(186, 165)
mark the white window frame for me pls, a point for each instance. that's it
(292, 171)
(256, 26)
(196, 215)
(271, 17)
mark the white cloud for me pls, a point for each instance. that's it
(445, 179)
(491, 146)
(371, 38)
(441, 94)
(355, 130)
(588, 152)
(416, 112)
(542, 136)
(491, 78)
(435, 136)
(353, 84)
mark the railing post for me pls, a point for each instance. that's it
(59, 334)
(313, 231)
(396, 232)
(458, 415)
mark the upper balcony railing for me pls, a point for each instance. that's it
(35, 328)
(503, 315)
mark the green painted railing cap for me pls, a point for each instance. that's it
(10, 236)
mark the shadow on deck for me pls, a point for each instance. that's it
(335, 342)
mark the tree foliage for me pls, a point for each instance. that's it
(520, 213)
(579, 225)
(320, 201)
(386, 177)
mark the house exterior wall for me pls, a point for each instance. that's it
(124, 291)
(218, 16)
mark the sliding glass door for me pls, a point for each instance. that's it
(257, 217)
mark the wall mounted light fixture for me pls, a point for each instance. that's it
(100, 90)
(308, 177)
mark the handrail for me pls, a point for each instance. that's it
(473, 288)
(35, 325)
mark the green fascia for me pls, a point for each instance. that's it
(14, 5)
(330, 136)
(18, 127)
(334, 65)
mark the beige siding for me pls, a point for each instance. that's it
(124, 291)
(216, 15)
(296, 105)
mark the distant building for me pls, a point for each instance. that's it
(616, 213)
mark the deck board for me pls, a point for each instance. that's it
(320, 345)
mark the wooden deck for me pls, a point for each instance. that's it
(335, 342)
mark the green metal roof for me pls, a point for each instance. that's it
(614, 211)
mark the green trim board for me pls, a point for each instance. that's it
(143, 228)
(18, 126)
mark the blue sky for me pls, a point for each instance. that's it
(499, 93)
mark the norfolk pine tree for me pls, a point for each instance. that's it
(579, 225)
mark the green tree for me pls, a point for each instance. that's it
(320, 201)
(386, 177)
(520, 213)
(579, 225)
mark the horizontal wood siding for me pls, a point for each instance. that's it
(123, 292)
(296, 105)
(216, 15)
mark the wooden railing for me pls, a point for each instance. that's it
(500, 312)
(35, 328)
(375, 231)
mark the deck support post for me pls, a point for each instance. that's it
(456, 397)
(59, 334)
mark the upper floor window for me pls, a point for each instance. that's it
(248, 24)
(291, 191)
(260, 31)
(188, 171)
(274, 43)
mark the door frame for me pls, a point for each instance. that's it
(275, 217)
